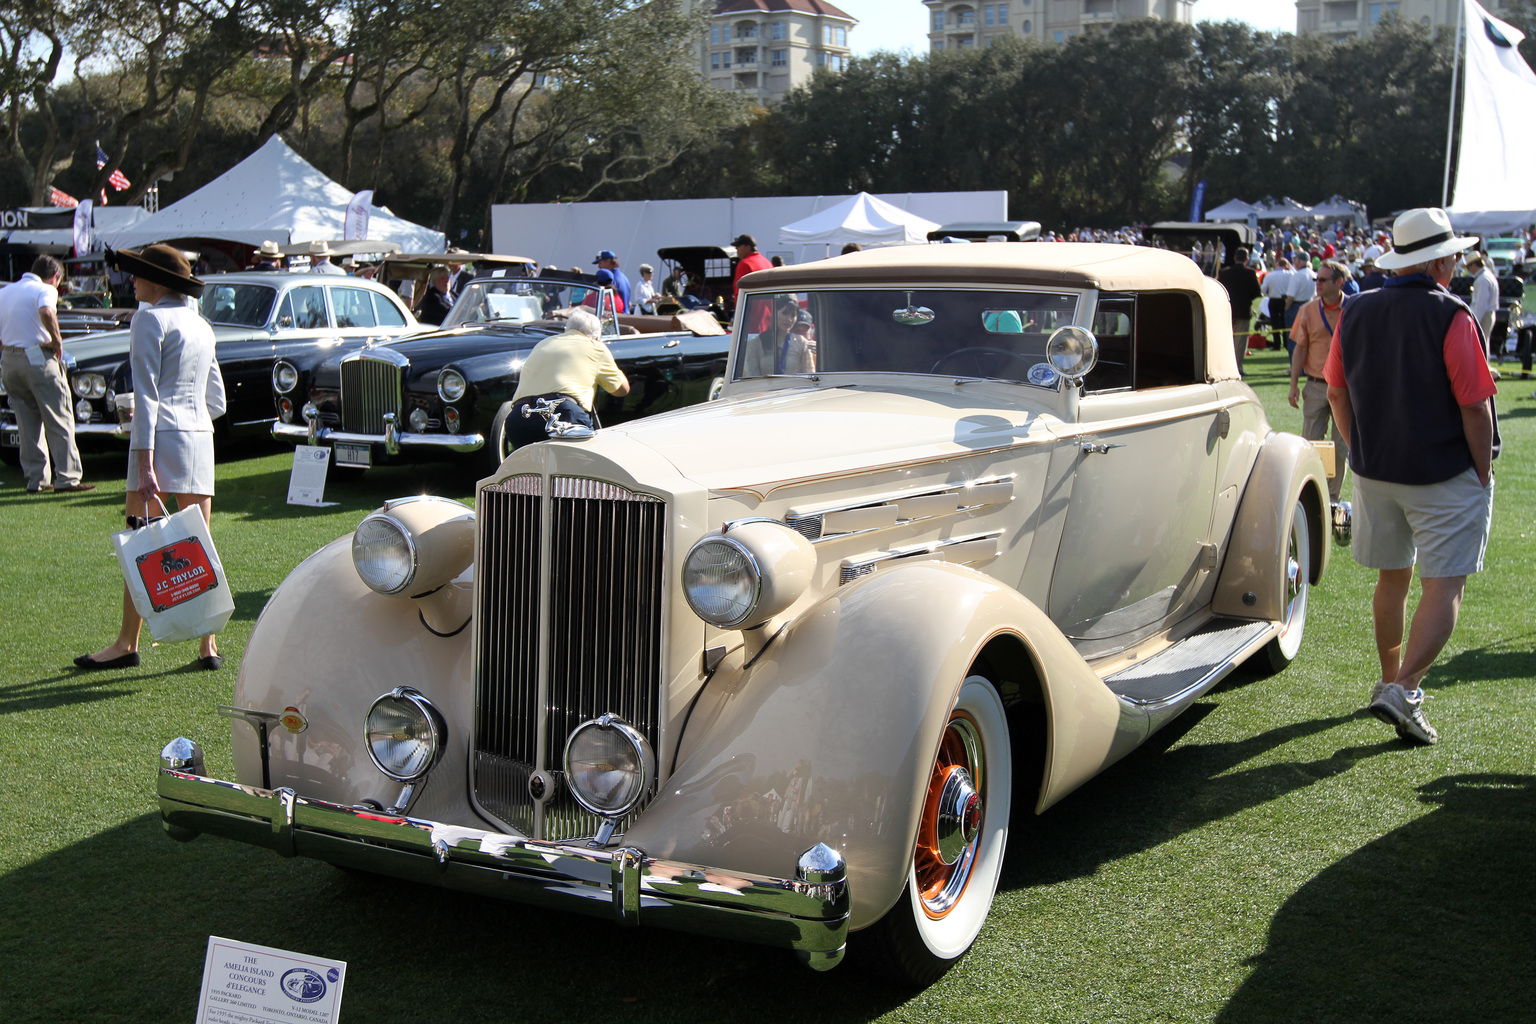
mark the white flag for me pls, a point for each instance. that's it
(1498, 149)
(357, 215)
(83, 238)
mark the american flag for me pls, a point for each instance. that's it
(58, 198)
(118, 179)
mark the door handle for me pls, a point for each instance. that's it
(1089, 448)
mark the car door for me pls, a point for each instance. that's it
(1149, 439)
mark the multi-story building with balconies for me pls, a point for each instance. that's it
(963, 24)
(1349, 19)
(764, 48)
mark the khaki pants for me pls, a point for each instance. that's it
(1317, 423)
(40, 399)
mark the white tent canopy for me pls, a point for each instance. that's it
(862, 219)
(1337, 207)
(273, 194)
(1281, 209)
(1234, 209)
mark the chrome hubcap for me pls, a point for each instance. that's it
(959, 817)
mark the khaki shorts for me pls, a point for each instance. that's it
(1445, 525)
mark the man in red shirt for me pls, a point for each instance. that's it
(1410, 388)
(748, 260)
(1313, 335)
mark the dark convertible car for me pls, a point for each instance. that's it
(448, 393)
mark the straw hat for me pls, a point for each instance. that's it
(269, 248)
(318, 248)
(159, 264)
(1421, 236)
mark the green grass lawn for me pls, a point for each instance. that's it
(1275, 855)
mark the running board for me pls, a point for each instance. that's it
(1192, 665)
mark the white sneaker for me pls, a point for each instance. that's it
(1404, 711)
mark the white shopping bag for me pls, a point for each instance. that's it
(175, 577)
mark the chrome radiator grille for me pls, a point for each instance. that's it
(369, 389)
(592, 554)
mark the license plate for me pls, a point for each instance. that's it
(360, 455)
(10, 437)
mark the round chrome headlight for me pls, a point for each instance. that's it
(1073, 351)
(90, 385)
(285, 377)
(721, 581)
(609, 765)
(405, 734)
(384, 554)
(450, 385)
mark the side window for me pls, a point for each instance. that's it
(285, 313)
(1146, 340)
(353, 307)
(1168, 345)
(309, 308)
(386, 313)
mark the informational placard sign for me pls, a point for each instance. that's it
(306, 482)
(244, 983)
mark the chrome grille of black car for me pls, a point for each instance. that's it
(369, 389)
(601, 578)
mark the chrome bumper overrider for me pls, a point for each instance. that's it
(299, 434)
(808, 914)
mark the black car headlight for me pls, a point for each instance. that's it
(451, 385)
(609, 765)
(89, 385)
(285, 377)
(747, 574)
(405, 734)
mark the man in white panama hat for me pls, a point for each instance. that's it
(1409, 385)
(320, 259)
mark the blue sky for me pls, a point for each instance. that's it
(903, 24)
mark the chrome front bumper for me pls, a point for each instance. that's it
(117, 430)
(392, 443)
(808, 914)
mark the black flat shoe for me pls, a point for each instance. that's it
(210, 662)
(129, 660)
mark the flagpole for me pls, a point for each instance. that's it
(1450, 123)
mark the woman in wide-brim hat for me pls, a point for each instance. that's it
(177, 393)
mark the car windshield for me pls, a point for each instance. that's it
(950, 332)
(238, 305)
(514, 300)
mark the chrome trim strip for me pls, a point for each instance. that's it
(992, 490)
(440, 442)
(854, 568)
(808, 915)
(117, 430)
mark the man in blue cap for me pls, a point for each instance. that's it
(609, 262)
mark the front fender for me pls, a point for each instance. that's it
(1252, 581)
(328, 646)
(830, 735)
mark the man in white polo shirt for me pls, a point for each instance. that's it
(32, 367)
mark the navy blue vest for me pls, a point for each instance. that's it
(1406, 425)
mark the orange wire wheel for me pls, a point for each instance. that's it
(952, 818)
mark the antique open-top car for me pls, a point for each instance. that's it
(782, 666)
(446, 394)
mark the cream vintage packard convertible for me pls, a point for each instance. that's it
(781, 667)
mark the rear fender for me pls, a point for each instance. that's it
(829, 735)
(1252, 582)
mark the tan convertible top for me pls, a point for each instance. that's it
(1066, 264)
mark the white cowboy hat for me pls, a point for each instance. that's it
(269, 248)
(1422, 235)
(319, 248)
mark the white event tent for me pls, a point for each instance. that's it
(273, 194)
(861, 218)
(1234, 209)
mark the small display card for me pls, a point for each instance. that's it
(306, 484)
(244, 983)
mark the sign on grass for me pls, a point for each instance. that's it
(244, 983)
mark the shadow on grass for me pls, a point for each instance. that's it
(1431, 922)
(140, 908)
(73, 686)
(1156, 794)
(1512, 658)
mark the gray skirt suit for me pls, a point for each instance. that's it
(177, 392)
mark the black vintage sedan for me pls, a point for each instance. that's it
(256, 317)
(448, 393)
